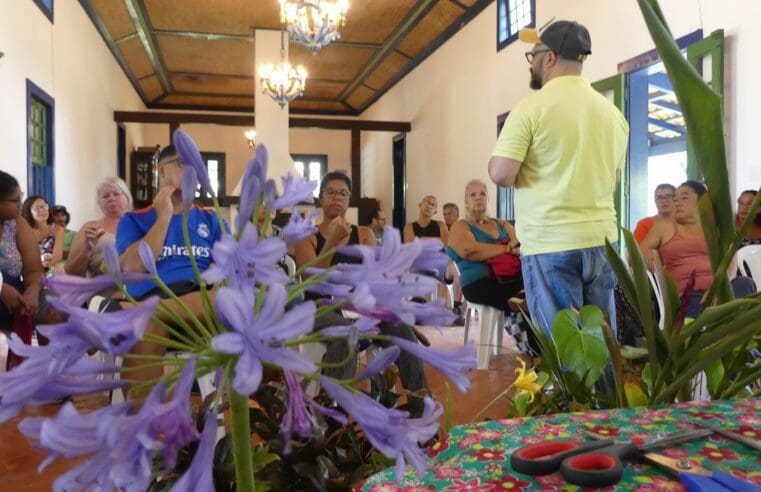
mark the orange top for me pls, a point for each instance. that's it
(643, 227)
(683, 255)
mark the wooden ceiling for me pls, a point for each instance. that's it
(199, 54)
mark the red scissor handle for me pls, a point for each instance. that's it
(545, 457)
(597, 469)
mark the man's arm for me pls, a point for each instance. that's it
(503, 170)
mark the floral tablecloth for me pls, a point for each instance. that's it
(477, 457)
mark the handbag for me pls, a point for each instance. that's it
(505, 267)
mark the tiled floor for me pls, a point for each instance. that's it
(19, 461)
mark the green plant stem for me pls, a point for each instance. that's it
(740, 384)
(491, 403)
(241, 435)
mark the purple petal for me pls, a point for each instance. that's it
(111, 258)
(146, 256)
(228, 343)
(295, 191)
(251, 189)
(454, 364)
(380, 362)
(299, 228)
(248, 374)
(191, 158)
(189, 186)
(363, 325)
(199, 475)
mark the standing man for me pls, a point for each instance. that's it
(664, 200)
(377, 223)
(451, 214)
(563, 148)
(425, 226)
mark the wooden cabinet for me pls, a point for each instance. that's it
(143, 175)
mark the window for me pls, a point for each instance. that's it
(47, 8)
(512, 16)
(312, 167)
(40, 115)
(215, 166)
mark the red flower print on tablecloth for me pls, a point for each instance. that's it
(494, 468)
(438, 447)
(468, 441)
(550, 482)
(715, 454)
(603, 431)
(639, 437)
(704, 415)
(473, 485)
(749, 419)
(386, 487)
(748, 431)
(445, 471)
(490, 435)
(580, 418)
(548, 430)
(532, 439)
(487, 454)
(675, 453)
(508, 482)
(658, 484)
(655, 414)
(642, 421)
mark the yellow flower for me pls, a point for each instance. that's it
(526, 380)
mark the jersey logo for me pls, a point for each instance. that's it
(203, 230)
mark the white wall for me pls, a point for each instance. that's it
(453, 98)
(69, 61)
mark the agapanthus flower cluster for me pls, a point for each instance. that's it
(258, 319)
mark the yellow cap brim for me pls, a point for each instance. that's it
(529, 36)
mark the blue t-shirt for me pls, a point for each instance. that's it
(173, 264)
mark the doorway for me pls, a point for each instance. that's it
(399, 192)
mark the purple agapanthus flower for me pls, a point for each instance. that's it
(295, 190)
(247, 261)
(191, 157)
(296, 417)
(49, 373)
(75, 291)
(252, 183)
(389, 430)
(299, 228)
(189, 186)
(260, 337)
(431, 257)
(147, 258)
(199, 476)
(172, 420)
(380, 362)
(454, 364)
(115, 332)
(111, 259)
(363, 326)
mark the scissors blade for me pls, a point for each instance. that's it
(675, 466)
(676, 438)
(751, 443)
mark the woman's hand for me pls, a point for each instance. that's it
(11, 298)
(92, 234)
(31, 300)
(514, 247)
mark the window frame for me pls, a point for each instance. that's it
(306, 158)
(35, 92)
(501, 44)
(221, 157)
(45, 10)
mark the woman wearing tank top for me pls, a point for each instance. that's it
(681, 247)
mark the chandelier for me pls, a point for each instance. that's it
(282, 82)
(314, 23)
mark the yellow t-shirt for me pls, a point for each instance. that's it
(570, 140)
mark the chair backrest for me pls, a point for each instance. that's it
(749, 261)
(290, 264)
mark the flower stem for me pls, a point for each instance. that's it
(241, 431)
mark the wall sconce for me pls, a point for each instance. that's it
(251, 138)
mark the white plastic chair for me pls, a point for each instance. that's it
(490, 319)
(656, 284)
(749, 263)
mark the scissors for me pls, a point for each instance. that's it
(698, 479)
(590, 463)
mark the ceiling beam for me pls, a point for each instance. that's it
(666, 125)
(103, 31)
(144, 29)
(416, 14)
(666, 105)
(248, 120)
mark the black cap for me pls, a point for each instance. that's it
(568, 39)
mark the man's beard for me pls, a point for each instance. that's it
(536, 80)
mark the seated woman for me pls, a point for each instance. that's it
(683, 251)
(753, 234)
(62, 217)
(86, 256)
(473, 241)
(19, 259)
(49, 235)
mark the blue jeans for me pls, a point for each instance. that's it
(575, 278)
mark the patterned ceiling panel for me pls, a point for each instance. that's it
(200, 53)
(221, 56)
(213, 16)
(116, 18)
(135, 56)
(443, 15)
(212, 84)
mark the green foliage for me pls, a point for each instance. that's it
(582, 351)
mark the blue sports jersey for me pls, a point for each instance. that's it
(173, 264)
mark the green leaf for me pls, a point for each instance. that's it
(647, 379)
(633, 353)
(715, 375)
(583, 351)
(521, 400)
(634, 394)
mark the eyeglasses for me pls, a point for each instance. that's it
(336, 193)
(531, 54)
(41, 208)
(663, 198)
